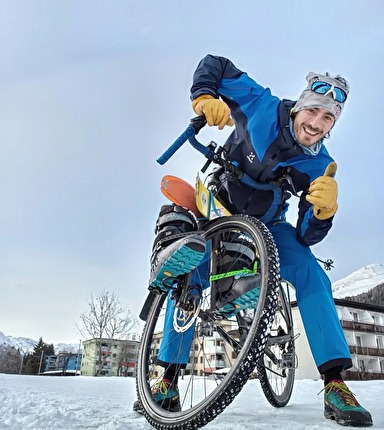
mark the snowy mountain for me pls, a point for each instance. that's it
(358, 282)
(23, 343)
(26, 344)
(67, 347)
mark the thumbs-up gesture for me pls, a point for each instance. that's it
(322, 193)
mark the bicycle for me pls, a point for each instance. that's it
(227, 344)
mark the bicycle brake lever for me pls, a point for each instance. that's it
(198, 122)
(212, 146)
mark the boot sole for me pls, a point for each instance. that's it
(181, 261)
(330, 414)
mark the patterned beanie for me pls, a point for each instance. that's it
(327, 96)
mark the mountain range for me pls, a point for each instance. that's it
(25, 344)
(356, 286)
(359, 282)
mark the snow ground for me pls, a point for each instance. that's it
(57, 403)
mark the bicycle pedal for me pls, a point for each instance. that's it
(288, 360)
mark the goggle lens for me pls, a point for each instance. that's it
(321, 87)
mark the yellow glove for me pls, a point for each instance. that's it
(216, 111)
(322, 193)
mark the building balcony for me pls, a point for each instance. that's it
(362, 376)
(363, 350)
(358, 326)
(216, 349)
(216, 364)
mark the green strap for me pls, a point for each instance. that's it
(234, 273)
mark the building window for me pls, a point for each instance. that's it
(361, 366)
(358, 340)
(379, 342)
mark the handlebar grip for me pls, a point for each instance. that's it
(194, 127)
(190, 131)
(176, 145)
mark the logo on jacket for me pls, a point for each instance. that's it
(251, 157)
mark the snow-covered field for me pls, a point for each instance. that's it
(56, 403)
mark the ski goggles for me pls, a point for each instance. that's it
(321, 87)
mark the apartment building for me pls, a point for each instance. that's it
(210, 354)
(63, 363)
(109, 357)
(363, 326)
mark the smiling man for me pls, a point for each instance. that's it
(311, 125)
(280, 144)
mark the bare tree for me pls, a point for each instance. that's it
(106, 319)
(126, 357)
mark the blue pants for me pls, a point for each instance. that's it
(299, 267)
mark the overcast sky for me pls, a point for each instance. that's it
(91, 92)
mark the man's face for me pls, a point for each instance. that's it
(311, 125)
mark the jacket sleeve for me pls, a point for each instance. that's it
(209, 73)
(310, 230)
(253, 107)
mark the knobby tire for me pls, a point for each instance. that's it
(253, 337)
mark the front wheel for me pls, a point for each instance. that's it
(213, 348)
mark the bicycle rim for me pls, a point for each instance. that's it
(276, 370)
(224, 350)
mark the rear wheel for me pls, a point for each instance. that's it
(276, 369)
(218, 350)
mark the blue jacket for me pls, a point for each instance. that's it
(262, 145)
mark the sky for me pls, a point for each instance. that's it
(92, 92)
(106, 404)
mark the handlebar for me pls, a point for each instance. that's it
(214, 154)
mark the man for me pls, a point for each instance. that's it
(273, 139)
